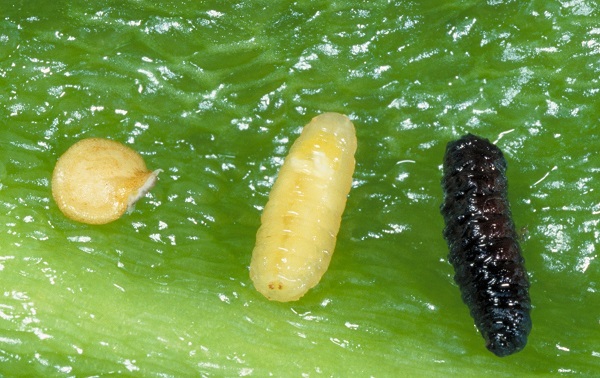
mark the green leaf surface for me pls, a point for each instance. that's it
(214, 93)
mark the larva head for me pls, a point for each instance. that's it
(473, 154)
(96, 180)
(336, 132)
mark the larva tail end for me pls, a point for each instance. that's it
(503, 345)
(507, 340)
(276, 290)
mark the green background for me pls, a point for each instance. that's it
(214, 93)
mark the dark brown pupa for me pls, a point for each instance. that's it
(484, 250)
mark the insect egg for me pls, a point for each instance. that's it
(97, 180)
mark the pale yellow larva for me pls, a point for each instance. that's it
(300, 222)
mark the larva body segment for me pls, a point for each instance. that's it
(301, 219)
(484, 250)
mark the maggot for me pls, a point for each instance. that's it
(301, 220)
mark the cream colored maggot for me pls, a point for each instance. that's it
(300, 222)
(97, 180)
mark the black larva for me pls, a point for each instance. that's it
(483, 243)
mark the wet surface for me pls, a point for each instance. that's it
(214, 94)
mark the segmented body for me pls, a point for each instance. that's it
(483, 243)
(301, 219)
